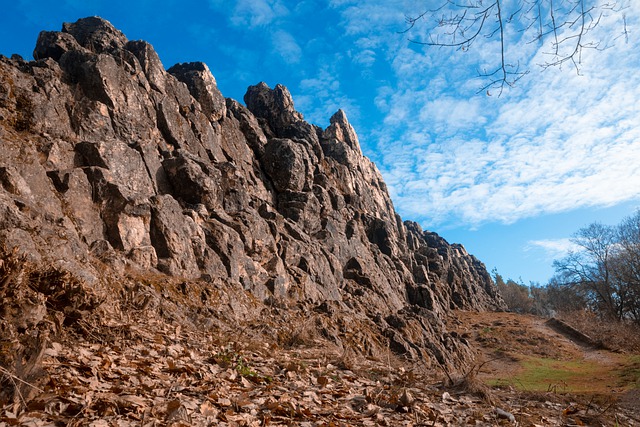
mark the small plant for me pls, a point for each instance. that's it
(468, 382)
(295, 334)
(245, 370)
(229, 358)
(556, 388)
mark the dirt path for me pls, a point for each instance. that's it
(580, 345)
(526, 352)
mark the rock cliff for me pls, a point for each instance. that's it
(112, 167)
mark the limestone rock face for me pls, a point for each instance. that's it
(106, 156)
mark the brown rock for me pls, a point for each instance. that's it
(110, 164)
(203, 87)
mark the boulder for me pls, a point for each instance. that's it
(150, 63)
(287, 163)
(54, 44)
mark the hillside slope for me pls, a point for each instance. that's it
(144, 368)
(124, 183)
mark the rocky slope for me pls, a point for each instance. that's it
(119, 177)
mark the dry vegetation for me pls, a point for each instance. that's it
(152, 351)
(527, 355)
(616, 336)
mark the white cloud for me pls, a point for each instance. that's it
(449, 115)
(556, 142)
(368, 17)
(366, 57)
(553, 248)
(254, 13)
(285, 45)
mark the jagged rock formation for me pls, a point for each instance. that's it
(112, 166)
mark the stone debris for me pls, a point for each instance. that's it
(505, 415)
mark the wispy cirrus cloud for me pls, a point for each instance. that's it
(360, 17)
(366, 57)
(321, 95)
(555, 142)
(286, 46)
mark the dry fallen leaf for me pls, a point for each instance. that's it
(208, 410)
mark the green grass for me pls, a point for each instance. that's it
(544, 375)
(629, 374)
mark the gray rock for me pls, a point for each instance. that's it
(95, 34)
(203, 87)
(288, 164)
(150, 62)
(275, 106)
(174, 237)
(340, 141)
(53, 44)
(193, 181)
(108, 160)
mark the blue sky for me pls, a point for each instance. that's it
(509, 177)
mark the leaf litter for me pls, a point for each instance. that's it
(190, 379)
(168, 362)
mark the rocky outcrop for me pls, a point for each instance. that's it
(113, 166)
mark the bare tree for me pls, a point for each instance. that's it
(627, 267)
(566, 26)
(605, 270)
(563, 299)
(588, 269)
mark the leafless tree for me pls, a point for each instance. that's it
(627, 270)
(588, 269)
(566, 26)
(605, 270)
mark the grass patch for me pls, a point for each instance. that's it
(629, 375)
(560, 376)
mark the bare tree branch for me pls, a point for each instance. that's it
(568, 24)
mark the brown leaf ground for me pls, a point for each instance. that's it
(150, 369)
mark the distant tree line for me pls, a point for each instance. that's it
(601, 275)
